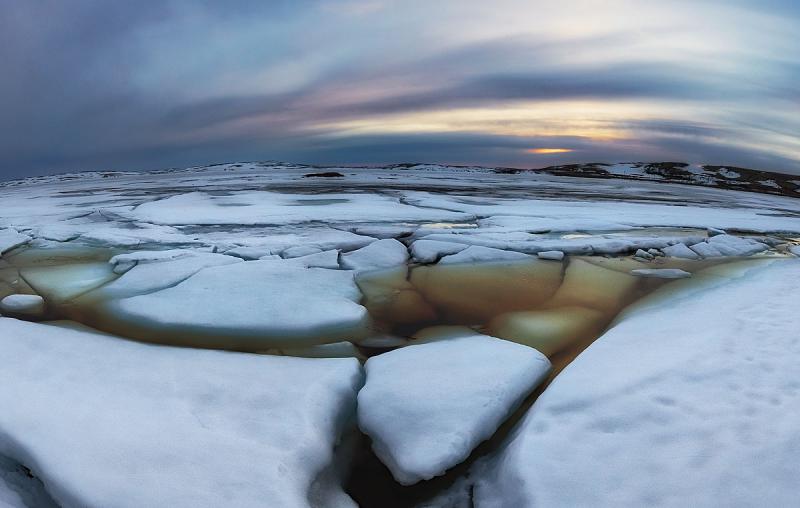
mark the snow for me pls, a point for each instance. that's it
(261, 207)
(661, 273)
(109, 422)
(23, 305)
(553, 255)
(706, 250)
(250, 305)
(680, 250)
(478, 254)
(381, 254)
(324, 259)
(427, 406)
(730, 245)
(11, 238)
(157, 270)
(430, 251)
(795, 249)
(674, 406)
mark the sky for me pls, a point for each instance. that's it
(122, 85)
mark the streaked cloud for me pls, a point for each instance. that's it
(92, 84)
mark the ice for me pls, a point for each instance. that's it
(430, 251)
(382, 254)
(336, 350)
(261, 207)
(643, 254)
(30, 306)
(674, 406)
(661, 273)
(549, 224)
(323, 259)
(706, 250)
(553, 255)
(298, 241)
(250, 305)
(59, 284)
(592, 286)
(579, 244)
(248, 253)
(548, 331)
(427, 406)
(680, 250)
(11, 238)
(730, 245)
(109, 422)
(634, 214)
(795, 249)
(157, 270)
(478, 254)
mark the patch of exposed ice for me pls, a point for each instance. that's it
(427, 406)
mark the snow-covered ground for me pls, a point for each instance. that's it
(265, 259)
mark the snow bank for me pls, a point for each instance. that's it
(661, 411)
(109, 422)
(427, 406)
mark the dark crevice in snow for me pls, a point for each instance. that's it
(19, 487)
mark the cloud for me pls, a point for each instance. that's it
(92, 84)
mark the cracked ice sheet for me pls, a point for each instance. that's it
(704, 403)
(519, 241)
(232, 429)
(261, 207)
(246, 305)
(625, 213)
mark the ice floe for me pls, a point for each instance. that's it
(29, 306)
(249, 305)
(661, 273)
(109, 422)
(382, 254)
(427, 406)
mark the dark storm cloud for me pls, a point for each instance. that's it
(92, 84)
